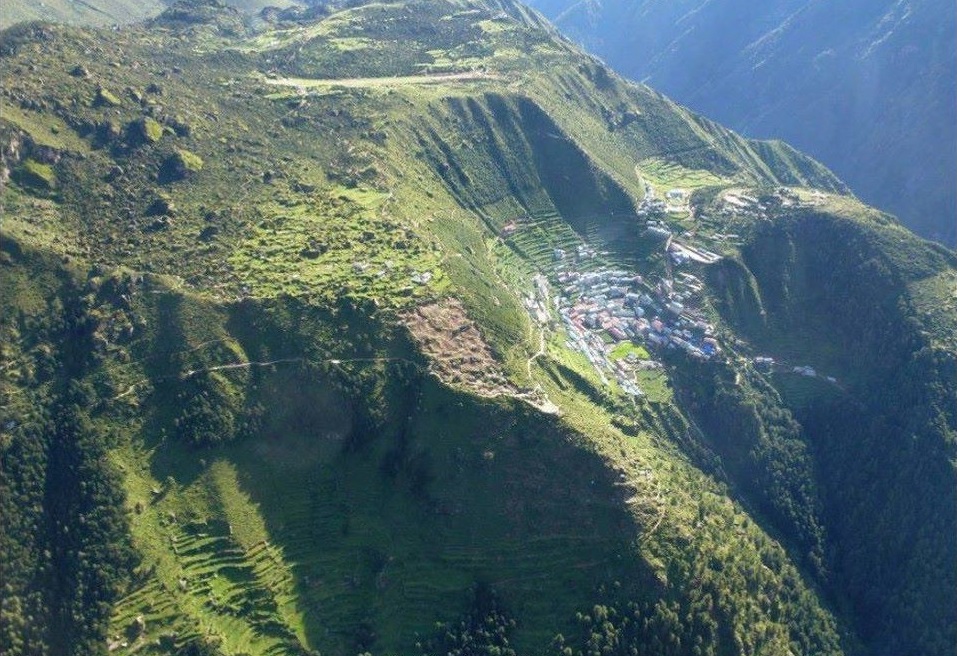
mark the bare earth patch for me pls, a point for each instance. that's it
(459, 354)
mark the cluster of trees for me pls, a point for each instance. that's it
(705, 621)
(890, 493)
(207, 416)
(761, 450)
(483, 631)
(633, 629)
(64, 531)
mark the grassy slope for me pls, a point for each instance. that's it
(97, 12)
(294, 193)
(101, 12)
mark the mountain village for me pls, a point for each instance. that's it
(618, 320)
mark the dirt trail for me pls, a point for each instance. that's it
(539, 353)
(367, 82)
(244, 365)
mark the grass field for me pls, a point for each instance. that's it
(624, 349)
(664, 175)
(294, 532)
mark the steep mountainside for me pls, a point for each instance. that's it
(408, 328)
(866, 87)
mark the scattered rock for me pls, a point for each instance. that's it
(180, 126)
(109, 130)
(161, 205)
(457, 352)
(116, 171)
(138, 627)
(161, 223)
(303, 187)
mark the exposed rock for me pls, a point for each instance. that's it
(34, 174)
(161, 205)
(138, 626)
(104, 98)
(116, 171)
(145, 131)
(180, 126)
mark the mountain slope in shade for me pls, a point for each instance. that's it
(866, 87)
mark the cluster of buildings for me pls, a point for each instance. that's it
(618, 320)
(618, 306)
(651, 206)
(602, 308)
(770, 365)
(741, 204)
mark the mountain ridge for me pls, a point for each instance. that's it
(865, 87)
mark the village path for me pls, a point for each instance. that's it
(262, 363)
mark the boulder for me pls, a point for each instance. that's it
(181, 164)
(144, 131)
(104, 98)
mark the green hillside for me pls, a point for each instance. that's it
(288, 365)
